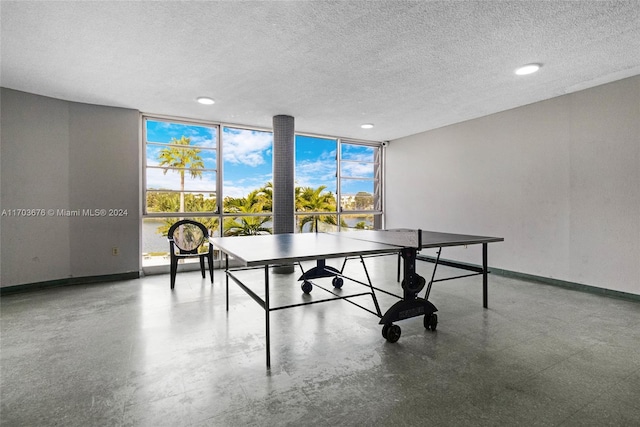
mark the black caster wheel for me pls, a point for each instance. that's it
(391, 332)
(431, 321)
(306, 287)
(337, 282)
(385, 330)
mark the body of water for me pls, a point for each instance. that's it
(152, 241)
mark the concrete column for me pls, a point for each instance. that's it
(283, 179)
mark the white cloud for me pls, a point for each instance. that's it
(241, 187)
(310, 173)
(202, 140)
(357, 170)
(236, 191)
(246, 147)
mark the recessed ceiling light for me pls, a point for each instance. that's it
(366, 126)
(528, 69)
(206, 101)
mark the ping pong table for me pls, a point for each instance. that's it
(266, 251)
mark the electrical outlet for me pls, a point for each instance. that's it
(115, 251)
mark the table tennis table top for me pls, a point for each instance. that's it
(285, 248)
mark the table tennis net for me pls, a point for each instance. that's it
(404, 238)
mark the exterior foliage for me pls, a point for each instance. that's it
(182, 158)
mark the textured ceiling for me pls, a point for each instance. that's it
(406, 66)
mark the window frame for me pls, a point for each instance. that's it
(146, 167)
(376, 179)
(218, 212)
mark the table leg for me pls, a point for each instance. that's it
(226, 271)
(485, 287)
(266, 311)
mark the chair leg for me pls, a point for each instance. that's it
(210, 260)
(202, 266)
(174, 269)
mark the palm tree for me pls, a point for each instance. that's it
(314, 200)
(266, 195)
(244, 204)
(245, 225)
(180, 160)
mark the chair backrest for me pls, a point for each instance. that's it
(188, 235)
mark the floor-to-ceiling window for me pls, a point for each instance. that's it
(316, 183)
(246, 184)
(338, 184)
(360, 184)
(221, 175)
(180, 181)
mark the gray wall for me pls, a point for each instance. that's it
(64, 155)
(558, 179)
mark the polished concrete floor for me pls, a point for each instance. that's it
(134, 353)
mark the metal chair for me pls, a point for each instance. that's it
(186, 238)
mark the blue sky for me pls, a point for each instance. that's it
(247, 156)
